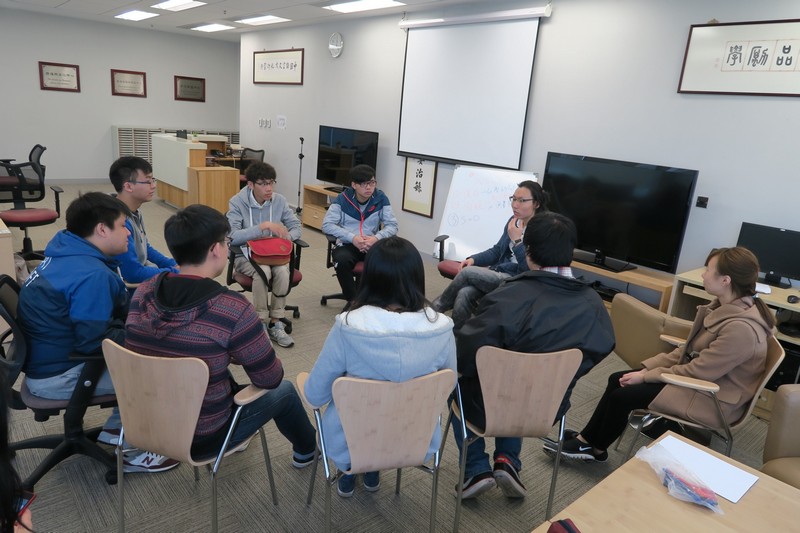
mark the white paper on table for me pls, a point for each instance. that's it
(723, 478)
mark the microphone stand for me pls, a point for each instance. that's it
(300, 156)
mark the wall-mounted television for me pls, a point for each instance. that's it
(340, 149)
(776, 250)
(626, 213)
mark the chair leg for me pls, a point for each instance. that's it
(434, 495)
(269, 466)
(328, 506)
(636, 436)
(196, 474)
(460, 481)
(397, 483)
(121, 482)
(556, 463)
(214, 526)
(313, 476)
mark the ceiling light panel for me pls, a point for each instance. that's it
(178, 5)
(136, 15)
(363, 5)
(260, 21)
(210, 28)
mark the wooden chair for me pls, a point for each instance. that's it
(159, 402)
(387, 426)
(724, 430)
(782, 447)
(521, 396)
(73, 440)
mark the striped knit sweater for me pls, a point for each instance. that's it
(187, 316)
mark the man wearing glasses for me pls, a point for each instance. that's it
(133, 180)
(256, 212)
(483, 272)
(358, 218)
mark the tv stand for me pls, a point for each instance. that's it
(659, 282)
(335, 188)
(316, 200)
(601, 261)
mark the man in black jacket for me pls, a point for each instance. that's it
(543, 310)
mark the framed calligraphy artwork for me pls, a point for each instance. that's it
(59, 77)
(190, 89)
(128, 83)
(420, 186)
(283, 67)
(757, 58)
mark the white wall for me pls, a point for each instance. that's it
(76, 128)
(604, 84)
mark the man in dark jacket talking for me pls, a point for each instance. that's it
(543, 310)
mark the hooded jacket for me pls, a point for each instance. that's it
(727, 345)
(245, 215)
(186, 316)
(500, 257)
(344, 219)
(373, 343)
(71, 302)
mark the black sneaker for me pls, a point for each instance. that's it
(550, 444)
(477, 485)
(507, 478)
(575, 449)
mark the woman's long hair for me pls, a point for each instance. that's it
(741, 265)
(10, 486)
(393, 277)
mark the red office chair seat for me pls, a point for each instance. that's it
(359, 268)
(449, 268)
(29, 216)
(246, 282)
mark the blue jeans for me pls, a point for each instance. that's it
(281, 404)
(466, 290)
(478, 459)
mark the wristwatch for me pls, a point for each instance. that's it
(518, 241)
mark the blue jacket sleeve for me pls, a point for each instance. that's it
(132, 270)
(330, 365)
(159, 259)
(94, 312)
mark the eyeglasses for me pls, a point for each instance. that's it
(265, 183)
(227, 241)
(370, 183)
(520, 200)
(149, 182)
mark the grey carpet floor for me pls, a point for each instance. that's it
(74, 497)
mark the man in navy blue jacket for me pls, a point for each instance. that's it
(72, 301)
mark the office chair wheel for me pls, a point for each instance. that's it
(288, 325)
(296, 313)
(111, 476)
(323, 301)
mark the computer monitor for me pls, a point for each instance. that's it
(776, 250)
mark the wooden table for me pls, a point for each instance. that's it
(632, 499)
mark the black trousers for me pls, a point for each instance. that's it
(612, 411)
(345, 258)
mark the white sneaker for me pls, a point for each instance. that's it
(277, 332)
(142, 461)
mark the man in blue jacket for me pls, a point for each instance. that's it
(357, 218)
(133, 180)
(72, 301)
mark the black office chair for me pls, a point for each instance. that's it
(74, 440)
(23, 184)
(358, 269)
(295, 277)
(248, 156)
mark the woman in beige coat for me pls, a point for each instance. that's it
(727, 345)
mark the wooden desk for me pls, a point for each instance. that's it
(632, 499)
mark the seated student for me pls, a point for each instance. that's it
(358, 218)
(133, 180)
(544, 309)
(726, 345)
(388, 334)
(10, 484)
(503, 260)
(256, 212)
(72, 301)
(190, 315)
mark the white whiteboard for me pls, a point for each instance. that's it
(465, 92)
(477, 209)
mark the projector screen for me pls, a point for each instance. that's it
(465, 92)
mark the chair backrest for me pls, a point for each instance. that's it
(159, 399)
(390, 425)
(24, 183)
(13, 348)
(249, 153)
(775, 355)
(523, 391)
(783, 435)
(637, 327)
(36, 155)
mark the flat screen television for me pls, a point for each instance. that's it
(340, 149)
(776, 250)
(626, 213)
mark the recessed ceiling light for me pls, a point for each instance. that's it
(178, 5)
(363, 5)
(208, 28)
(260, 21)
(136, 15)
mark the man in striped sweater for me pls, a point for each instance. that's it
(189, 314)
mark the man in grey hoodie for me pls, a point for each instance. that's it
(255, 212)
